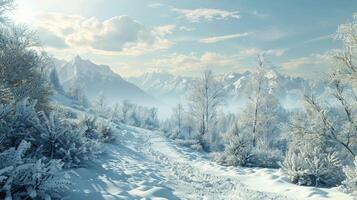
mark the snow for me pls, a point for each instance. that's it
(145, 165)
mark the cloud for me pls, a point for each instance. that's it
(117, 35)
(155, 5)
(185, 28)
(270, 34)
(267, 52)
(311, 66)
(193, 64)
(165, 29)
(223, 38)
(208, 14)
(321, 38)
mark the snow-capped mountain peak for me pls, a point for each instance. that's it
(96, 79)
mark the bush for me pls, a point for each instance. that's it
(105, 132)
(57, 138)
(96, 130)
(90, 124)
(266, 157)
(351, 178)
(236, 153)
(23, 177)
(313, 168)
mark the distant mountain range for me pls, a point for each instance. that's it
(173, 89)
(100, 79)
(165, 90)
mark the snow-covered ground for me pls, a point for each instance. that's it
(145, 165)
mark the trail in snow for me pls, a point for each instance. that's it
(144, 164)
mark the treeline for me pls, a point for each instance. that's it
(315, 145)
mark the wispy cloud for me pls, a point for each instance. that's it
(256, 51)
(309, 66)
(321, 38)
(223, 38)
(155, 5)
(208, 14)
(193, 64)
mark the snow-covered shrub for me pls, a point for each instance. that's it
(313, 168)
(25, 177)
(351, 177)
(95, 129)
(236, 152)
(105, 132)
(64, 112)
(90, 123)
(57, 137)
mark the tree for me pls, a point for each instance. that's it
(99, 103)
(55, 81)
(347, 70)
(351, 181)
(125, 108)
(19, 52)
(312, 157)
(177, 117)
(5, 6)
(76, 91)
(204, 99)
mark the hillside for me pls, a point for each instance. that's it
(145, 164)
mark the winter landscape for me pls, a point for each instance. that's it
(154, 99)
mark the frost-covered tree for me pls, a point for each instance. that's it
(55, 81)
(260, 117)
(99, 104)
(204, 99)
(328, 127)
(76, 92)
(125, 108)
(5, 6)
(19, 52)
(351, 181)
(347, 70)
(178, 121)
(260, 121)
(314, 152)
(115, 114)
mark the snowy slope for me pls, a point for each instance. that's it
(96, 79)
(144, 164)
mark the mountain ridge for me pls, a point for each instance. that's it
(97, 79)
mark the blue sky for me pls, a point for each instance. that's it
(184, 37)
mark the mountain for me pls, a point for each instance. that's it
(173, 89)
(167, 87)
(100, 79)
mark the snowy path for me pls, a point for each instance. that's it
(146, 165)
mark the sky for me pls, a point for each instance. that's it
(185, 37)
